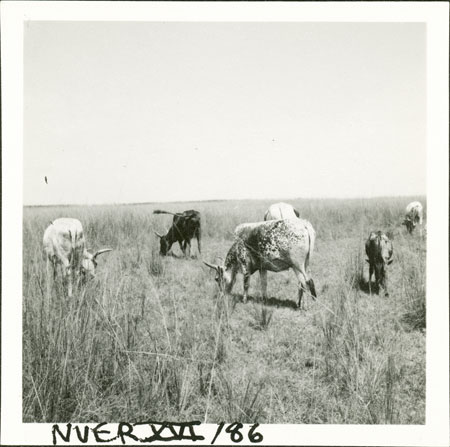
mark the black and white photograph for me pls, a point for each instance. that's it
(229, 216)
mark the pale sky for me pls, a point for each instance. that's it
(134, 112)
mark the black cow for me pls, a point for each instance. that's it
(380, 251)
(185, 226)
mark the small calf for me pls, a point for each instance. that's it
(185, 226)
(380, 252)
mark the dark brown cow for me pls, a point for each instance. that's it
(185, 226)
(380, 251)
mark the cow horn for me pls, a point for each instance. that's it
(99, 252)
(157, 234)
(210, 265)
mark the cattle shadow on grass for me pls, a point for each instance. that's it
(270, 301)
(182, 256)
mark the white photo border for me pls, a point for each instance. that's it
(14, 15)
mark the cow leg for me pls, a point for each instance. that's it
(377, 280)
(188, 247)
(263, 276)
(55, 269)
(70, 277)
(229, 287)
(67, 273)
(312, 288)
(182, 247)
(370, 278)
(198, 236)
(50, 274)
(384, 283)
(302, 285)
(246, 285)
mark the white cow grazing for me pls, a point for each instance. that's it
(64, 245)
(280, 210)
(413, 216)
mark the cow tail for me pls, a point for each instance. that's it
(311, 245)
(310, 282)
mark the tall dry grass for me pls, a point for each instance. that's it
(359, 361)
(152, 337)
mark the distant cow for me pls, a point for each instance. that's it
(185, 226)
(275, 246)
(413, 216)
(280, 210)
(380, 252)
(64, 245)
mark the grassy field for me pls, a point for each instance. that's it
(152, 338)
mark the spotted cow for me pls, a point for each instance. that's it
(274, 246)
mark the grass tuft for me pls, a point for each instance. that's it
(413, 287)
(262, 317)
(242, 403)
(354, 268)
(362, 379)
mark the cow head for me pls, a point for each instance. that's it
(89, 262)
(224, 277)
(386, 249)
(164, 245)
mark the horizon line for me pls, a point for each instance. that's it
(219, 200)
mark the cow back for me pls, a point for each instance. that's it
(187, 224)
(279, 211)
(64, 238)
(275, 245)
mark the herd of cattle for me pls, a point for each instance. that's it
(282, 241)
